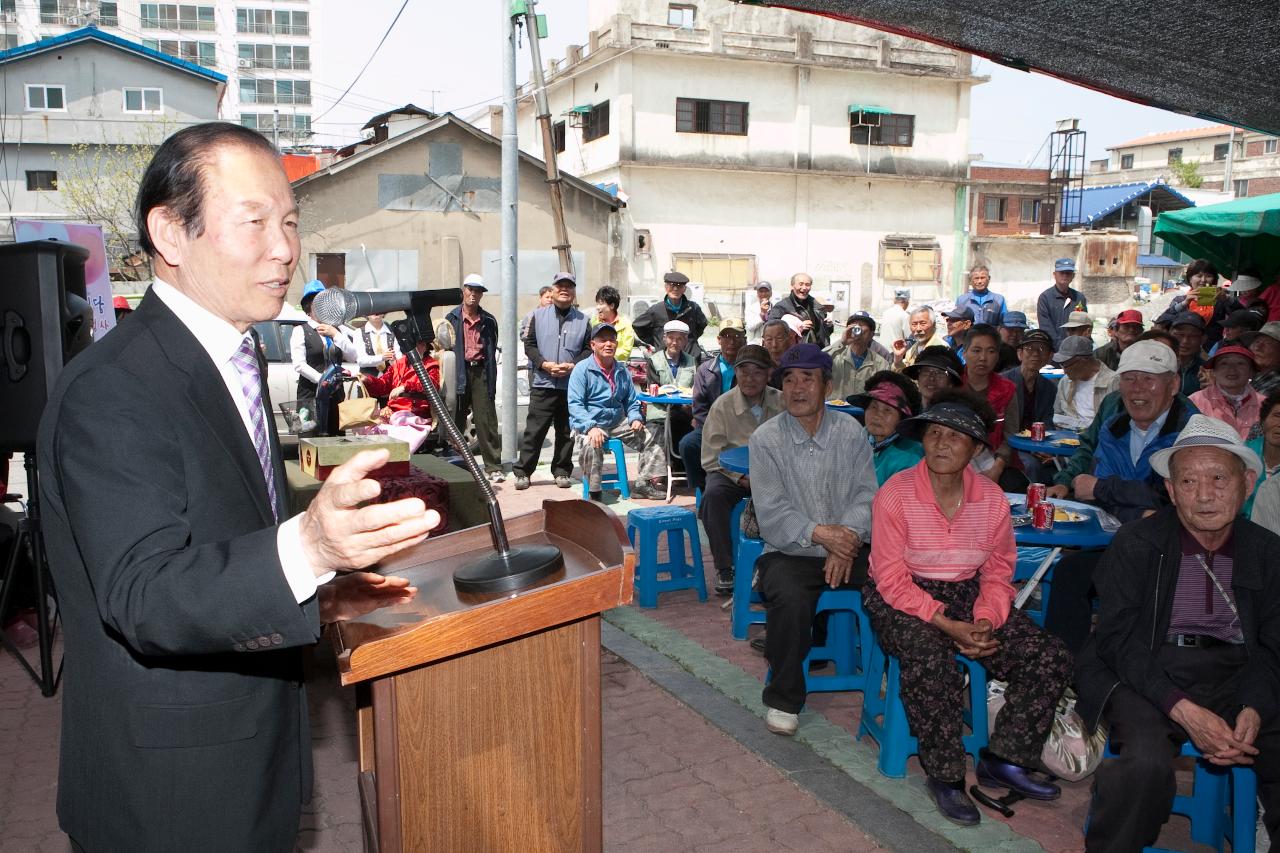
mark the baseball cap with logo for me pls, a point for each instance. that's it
(1129, 316)
(804, 357)
(862, 317)
(1064, 265)
(730, 327)
(1036, 336)
(1148, 357)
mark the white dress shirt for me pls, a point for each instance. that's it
(221, 341)
(298, 350)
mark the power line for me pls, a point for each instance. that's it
(368, 62)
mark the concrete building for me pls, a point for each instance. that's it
(752, 143)
(1255, 160)
(88, 86)
(420, 209)
(265, 48)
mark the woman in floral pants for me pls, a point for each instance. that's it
(944, 589)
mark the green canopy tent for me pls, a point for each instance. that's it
(1236, 235)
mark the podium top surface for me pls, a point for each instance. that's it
(441, 622)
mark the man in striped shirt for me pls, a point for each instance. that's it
(812, 481)
(1188, 640)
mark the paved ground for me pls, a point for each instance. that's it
(687, 763)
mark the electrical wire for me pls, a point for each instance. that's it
(365, 67)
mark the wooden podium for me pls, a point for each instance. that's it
(479, 716)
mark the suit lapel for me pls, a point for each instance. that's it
(208, 395)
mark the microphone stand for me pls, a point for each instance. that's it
(507, 568)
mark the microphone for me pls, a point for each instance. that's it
(336, 306)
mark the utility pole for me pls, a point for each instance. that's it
(275, 128)
(548, 143)
(512, 352)
(1226, 167)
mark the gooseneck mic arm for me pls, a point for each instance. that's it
(506, 568)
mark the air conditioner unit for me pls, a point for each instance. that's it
(244, 63)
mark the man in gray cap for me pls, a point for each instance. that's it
(812, 481)
(1186, 644)
(674, 306)
(758, 314)
(733, 418)
(896, 323)
(1056, 303)
(1085, 382)
(1188, 330)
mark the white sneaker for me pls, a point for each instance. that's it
(497, 477)
(780, 722)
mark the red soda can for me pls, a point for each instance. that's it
(1035, 495)
(653, 390)
(1037, 431)
(1042, 516)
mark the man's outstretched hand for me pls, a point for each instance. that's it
(341, 531)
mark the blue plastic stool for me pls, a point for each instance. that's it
(617, 479)
(885, 719)
(848, 644)
(1029, 559)
(643, 529)
(745, 553)
(1223, 804)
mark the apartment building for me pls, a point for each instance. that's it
(265, 48)
(751, 143)
(1254, 160)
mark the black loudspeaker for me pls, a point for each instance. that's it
(45, 319)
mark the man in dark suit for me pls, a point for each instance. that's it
(188, 598)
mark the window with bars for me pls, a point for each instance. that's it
(1220, 150)
(894, 129)
(42, 180)
(994, 208)
(267, 122)
(595, 124)
(1126, 161)
(557, 136)
(139, 100)
(1175, 156)
(720, 117)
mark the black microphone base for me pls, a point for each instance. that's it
(518, 568)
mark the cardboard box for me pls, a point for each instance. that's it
(319, 456)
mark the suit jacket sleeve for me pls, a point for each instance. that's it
(123, 485)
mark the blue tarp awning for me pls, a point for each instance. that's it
(610, 188)
(1093, 203)
(1156, 261)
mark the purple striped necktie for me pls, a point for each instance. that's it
(245, 361)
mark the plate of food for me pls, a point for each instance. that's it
(1067, 442)
(1021, 515)
(1026, 433)
(839, 403)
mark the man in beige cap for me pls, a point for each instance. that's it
(1186, 642)
(1079, 323)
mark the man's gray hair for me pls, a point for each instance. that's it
(922, 309)
(773, 324)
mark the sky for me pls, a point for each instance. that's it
(447, 56)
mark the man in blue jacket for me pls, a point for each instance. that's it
(603, 405)
(988, 307)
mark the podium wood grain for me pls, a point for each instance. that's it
(480, 726)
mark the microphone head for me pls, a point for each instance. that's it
(333, 306)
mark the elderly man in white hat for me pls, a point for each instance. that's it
(1188, 640)
(671, 365)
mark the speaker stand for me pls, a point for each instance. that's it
(30, 537)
